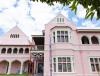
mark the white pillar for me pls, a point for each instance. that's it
(21, 68)
(9, 68)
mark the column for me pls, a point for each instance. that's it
(90, 40)
(9, 68)
(21, 68)
(34, 66)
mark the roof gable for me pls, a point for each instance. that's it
(14, 37)
(62, 20)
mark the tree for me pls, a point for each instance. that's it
(92, 6)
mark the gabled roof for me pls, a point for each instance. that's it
(65, 23)
(21, 40)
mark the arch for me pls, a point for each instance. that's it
(25, 66)
(21, 50)
(9, 50)
(94, 40)
(3, 50)
(85, 40)
(11, 36)
(26, 50)
(4, 67)
(15, 67)
(15, 50)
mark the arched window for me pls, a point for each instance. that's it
(14, 36)
(85, 40)
(21, 50)
(94, 40)
(3, 50)
(15, 50)
(9, 50)
(27, 50)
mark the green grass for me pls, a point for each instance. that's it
(13, 75)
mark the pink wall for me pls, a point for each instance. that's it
(80, 52)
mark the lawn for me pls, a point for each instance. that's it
(13, 75)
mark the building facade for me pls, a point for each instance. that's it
(62, 50)
(14, 52)
(71, 51)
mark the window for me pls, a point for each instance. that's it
(94, 40)
(60, 20)
(54, 64)
(63, 64)
(21, 50)
(3, 50)
(14, 36)
(15, 50)
(9, 50)
(62, 36)
(27, 50)
(95, 64)
(54, 37)
(85, 40)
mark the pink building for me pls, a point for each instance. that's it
(62, 50)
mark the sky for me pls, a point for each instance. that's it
(31, 16)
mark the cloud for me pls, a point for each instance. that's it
(6, 3)
(88, 23)
(30, 18)
(1, 31)
(75, 19)
(81, 11)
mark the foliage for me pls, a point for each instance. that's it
(92, 6)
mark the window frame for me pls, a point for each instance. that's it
(26, 49)
(60, 20)
(72, 64)
(15, 50)
(3, 51)
(63, 38)
(14, 35)
(9, 51)
(98, 57)
(85, 40)
(94, 40)
(21, 51)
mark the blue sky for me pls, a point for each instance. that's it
(31, 16)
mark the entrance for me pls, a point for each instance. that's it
(40, 68)
(37, 64)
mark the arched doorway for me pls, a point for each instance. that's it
(4, 67)
(15, 67)
(25, 66)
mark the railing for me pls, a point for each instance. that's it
(38, 48)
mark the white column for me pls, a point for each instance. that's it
(9, 68)
(90, 42)
(21, 68)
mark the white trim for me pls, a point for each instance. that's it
(61, 29)
(90, 64)
(72, 64)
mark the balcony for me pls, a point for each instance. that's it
(38, 48)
